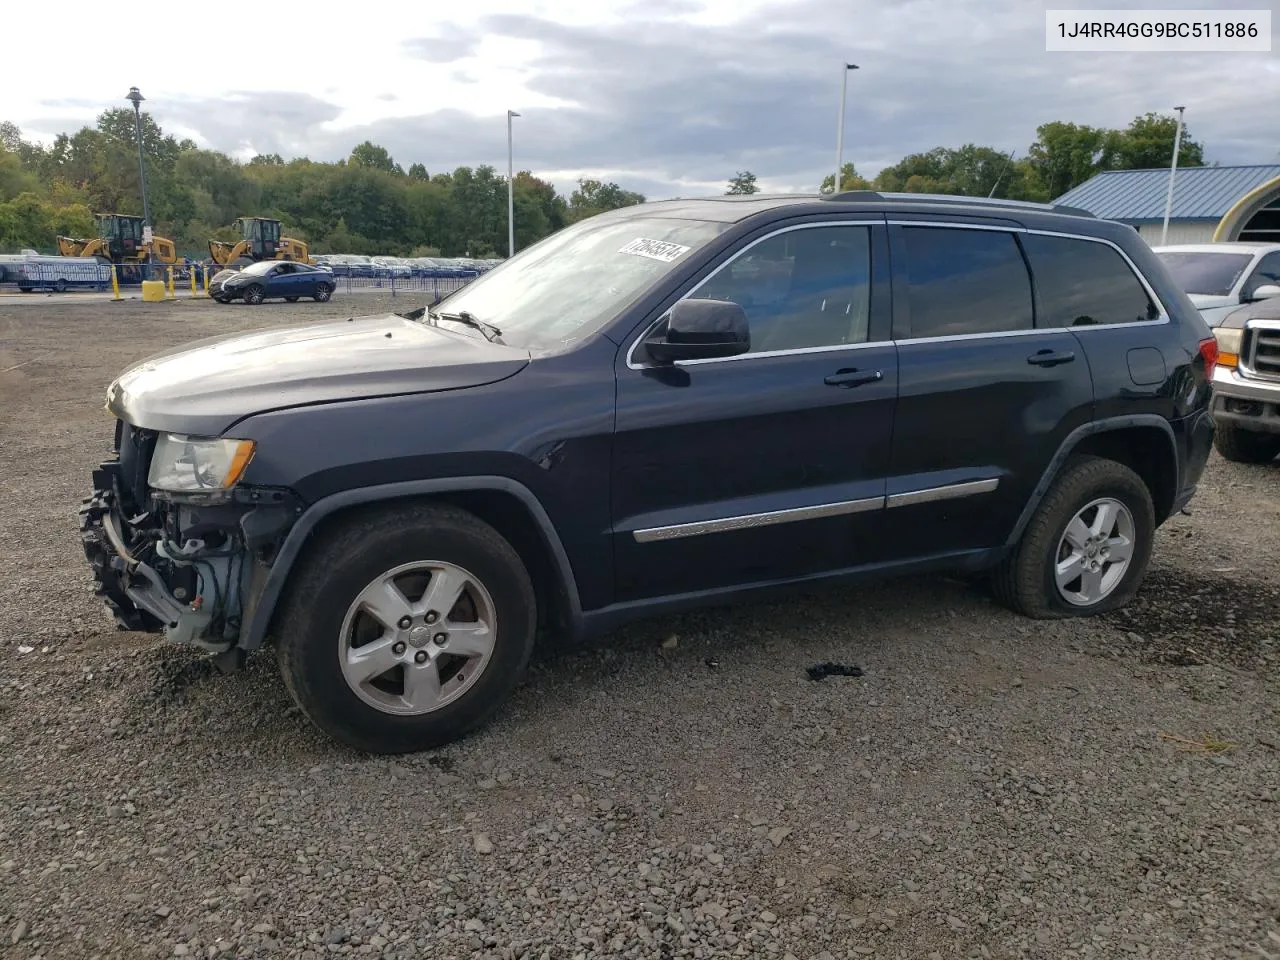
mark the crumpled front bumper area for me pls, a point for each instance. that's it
(135, 593)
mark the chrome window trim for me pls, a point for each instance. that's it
(751, 521)
(870, 221)
(1155, 298)
(950, 491)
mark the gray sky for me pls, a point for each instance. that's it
(668, 97)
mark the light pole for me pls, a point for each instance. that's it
(1173, 168)
(137, 99)
(511, 192)
(844, 86)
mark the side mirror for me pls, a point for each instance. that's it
(1264, 292)
(702, 330)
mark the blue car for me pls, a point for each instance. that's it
(266, 279)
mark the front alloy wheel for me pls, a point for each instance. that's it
(417, 637)
(254, 294)
(405, 627)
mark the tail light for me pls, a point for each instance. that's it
(1209, 354)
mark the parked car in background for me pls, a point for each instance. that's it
(1246, 383)
(273, 279)
(1219, 277)
(623, 419)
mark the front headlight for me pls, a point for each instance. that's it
(1229, 342)
(183, 465)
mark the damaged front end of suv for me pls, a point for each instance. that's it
(175, 542)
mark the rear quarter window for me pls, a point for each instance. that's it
(1085, 283)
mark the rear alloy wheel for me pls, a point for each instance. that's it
(406, 628)
(1087, 546)
(1245, 446)
(254, 294)
(323, 292)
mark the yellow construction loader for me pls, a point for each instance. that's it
(261, 241)
(119, 240)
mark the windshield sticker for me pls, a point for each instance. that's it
(655, 249)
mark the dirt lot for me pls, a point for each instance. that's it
(992, 787)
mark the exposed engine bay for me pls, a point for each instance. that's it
(189, 565)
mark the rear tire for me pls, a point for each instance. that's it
(1245, 446)
(323, 624)
(323, 292)
(1069, 535)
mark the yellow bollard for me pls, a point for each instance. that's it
(193, 281)
(205, 271)
(171, 296)
(115, 284)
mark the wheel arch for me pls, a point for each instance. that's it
(505, 504)
(1143, 442)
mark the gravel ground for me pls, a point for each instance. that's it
(991, 787)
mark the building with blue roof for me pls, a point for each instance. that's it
(1209, 203)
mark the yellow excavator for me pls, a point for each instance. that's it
(261, 241)
(119, 240)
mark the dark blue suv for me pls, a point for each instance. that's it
(676, 404)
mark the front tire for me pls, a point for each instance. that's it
(405, 628)
(254, 294)
(1086, 549)
(1245, 446)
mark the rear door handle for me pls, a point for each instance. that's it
(853, 378)
(1051, 358)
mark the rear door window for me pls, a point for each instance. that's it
(965, 281)
(1085, 283)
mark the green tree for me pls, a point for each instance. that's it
(593, 196)
(418, 172)
(742, 182)
(1065, 155)
(849, 180)
(369, 154)
(1148, 142)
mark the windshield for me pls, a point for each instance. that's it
(259, 268)
(569, 285)
(1212, 274)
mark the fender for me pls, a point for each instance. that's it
(255, 630)
(1072, 441)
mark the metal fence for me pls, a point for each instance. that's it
(124, 281)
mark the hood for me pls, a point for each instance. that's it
(203, 387)
(1262, 310)
(1204, 301)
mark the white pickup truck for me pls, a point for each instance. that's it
(1236, 287)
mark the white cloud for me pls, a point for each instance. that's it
(666, 96)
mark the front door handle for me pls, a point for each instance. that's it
(1051, 358)
(853, 378)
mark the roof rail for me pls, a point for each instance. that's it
(867, 196)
